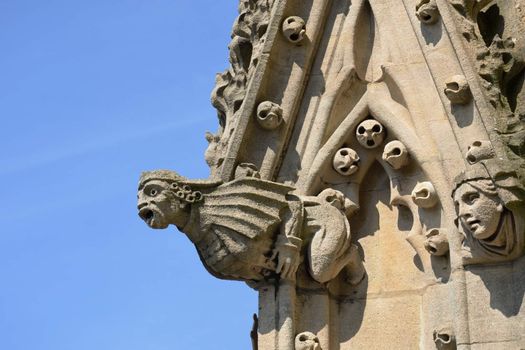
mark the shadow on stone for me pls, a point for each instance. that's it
(505, 284)
(432, 33)
(464, 114)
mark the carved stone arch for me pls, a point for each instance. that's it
(386, 252)
(375, 103)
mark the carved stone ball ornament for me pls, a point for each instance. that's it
(427, 11)
(370, 133)
(307, 341)
(346, 161)
(395, 154)
(436, 242)
(479, 150)
(294, 29)
(457, 90)
(269, 115)
(489, 205)
(424, 195)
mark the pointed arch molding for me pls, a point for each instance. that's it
(368, 168)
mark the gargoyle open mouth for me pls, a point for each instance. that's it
(147, 215)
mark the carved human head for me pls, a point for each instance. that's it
(163, 198)
(436, 242)
(370, 133)
(478, 207)
(481, 195)
(307, 341)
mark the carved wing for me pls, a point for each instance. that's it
(248, 206)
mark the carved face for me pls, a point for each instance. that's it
(395, 154)
(294, 29)
(424, 195)
(307, 341)
(158, 206)
(269, 115)
(427, 11)
(346, 161)
(457, 89)
(478, 212)
(370, 133)
(479, 150)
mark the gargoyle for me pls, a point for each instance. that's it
(250, 229)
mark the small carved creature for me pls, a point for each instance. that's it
(436, 242)
(479, 150)
(444, 339)
(250, 229)
(457, 90)
(246, 170)
(307, 341)
(269, 115)
(424, 195)
(395, 154)
(211, 155)
(427, 11)
(370, 133)
(294, 29)
(346, 161)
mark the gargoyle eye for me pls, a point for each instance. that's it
(153, 192)
(471, 198)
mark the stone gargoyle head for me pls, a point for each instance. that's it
(164, 198)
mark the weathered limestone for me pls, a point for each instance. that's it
(367, 176)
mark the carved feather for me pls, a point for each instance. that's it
(248, 206)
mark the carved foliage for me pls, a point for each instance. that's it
(499, 59)
(248, 38)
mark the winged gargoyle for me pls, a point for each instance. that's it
(250, 229)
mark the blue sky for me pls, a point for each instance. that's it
(91, 94)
